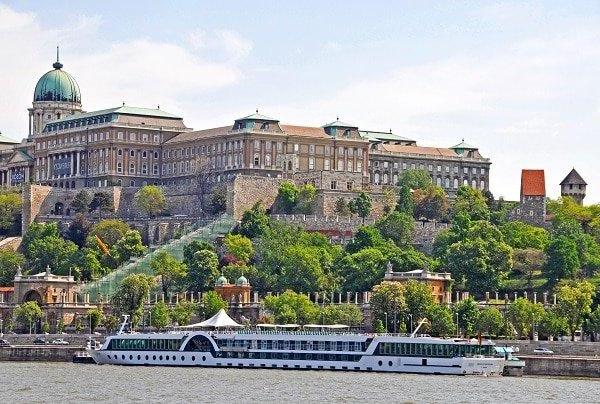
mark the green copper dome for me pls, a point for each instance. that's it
(241, 281)
(57, 85)
(221, 280)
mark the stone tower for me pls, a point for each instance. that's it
(574, 186)
(56, 96)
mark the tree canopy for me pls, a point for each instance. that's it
(151, 200)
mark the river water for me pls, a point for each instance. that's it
(67, 382)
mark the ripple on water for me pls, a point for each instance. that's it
(42, 382)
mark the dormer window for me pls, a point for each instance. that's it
(347, 133)
(264, 126)
(239, 125)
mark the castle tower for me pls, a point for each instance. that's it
(574, 186)
(56, 96)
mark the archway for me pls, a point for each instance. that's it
(59, 208)
(33, 296)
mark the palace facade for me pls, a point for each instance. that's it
(130, 147)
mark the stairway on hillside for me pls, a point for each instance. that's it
(107, 285)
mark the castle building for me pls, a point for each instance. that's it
(573, 186)
(532, 204)
(131, 147)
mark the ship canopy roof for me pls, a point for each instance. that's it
(219, 320)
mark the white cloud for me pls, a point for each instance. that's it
(227, 43)
(139, 71)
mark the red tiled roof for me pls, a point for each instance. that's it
(7, 289)
(304, 131)
(533, 183)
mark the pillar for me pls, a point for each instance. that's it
(78, 163)
(534, 297)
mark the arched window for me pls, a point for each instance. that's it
(268, 160)
(474, 184)
(395, 179)
(455, 183)
(447, 182)
(376, 178)
(482, 185)
(385, 178)
(438, 181)
(466, 182)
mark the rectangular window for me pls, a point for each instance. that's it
(296, 147)
(311, 149)
(311, 163)
(340, 165)
(119, 167)
(326, 164)
(333, 184)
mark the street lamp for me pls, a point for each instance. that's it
(386, 323)
(457, 330)
(411, 323)
(1, 327)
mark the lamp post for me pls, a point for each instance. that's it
(411, 323)
(1, 327)
(457, 330)
(386, 323)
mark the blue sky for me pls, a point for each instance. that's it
(519, 79)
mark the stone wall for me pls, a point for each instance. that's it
(44, 353)
(577, 348)
(531, 209)
(569, 367)
(244, 191)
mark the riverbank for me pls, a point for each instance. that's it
(39, 353)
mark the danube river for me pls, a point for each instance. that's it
(66, 382)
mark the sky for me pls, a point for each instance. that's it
(520, 80)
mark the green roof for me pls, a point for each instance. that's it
(463, 145)
(339, 124)
(122, 110)
(257, 117)
(374, 135)
(57, 85)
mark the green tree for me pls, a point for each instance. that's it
(361, 205)
(366, 237)
(87, 266)
(172, 272)
(563, 258)
(527, 262)
(110, 323)
(151, 200)
(109, 231)
(10, 209)
(305, 201)
(300, 270)
(468, 312)
(431, 203)
(441, 322)
(160, 315)
(240, 247)
(341, 207)
(10, 261)
(378, 327)
(419, 299)
(415, 179)
(211, 304)
(472, 202)
(292, 307)
(405, 203)
(397, 227)
(27, 314)
(552, 324)
(490, 321)
(287, 195)
(574, 303)
(522, 235)
(183, 311)
(54, 252)
(102, 202)
(45, 327)
(128, 246)
(389, 199)
(203, 271)
(388, 303)
(404, 260)
(362, 270)
(348, 314)
(523, 314)
(218, 200)
(95, 317)
(81, 202)
(130, 296)
(593, 321)
(255, 222)
(78, 230)
(37, 231)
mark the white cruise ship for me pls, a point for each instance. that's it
(302, 350)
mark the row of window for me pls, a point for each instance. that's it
(292, 356)
(440, 182)
(293, 345)
(432, 350)
(430, 167)
(95, 137)
(140, 344)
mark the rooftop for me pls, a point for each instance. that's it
(383, 136)
(122, 110)
(533, 183)
(573, 178)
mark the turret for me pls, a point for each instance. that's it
(573, 186)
